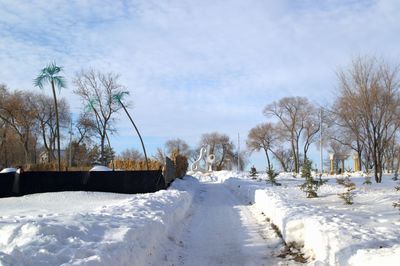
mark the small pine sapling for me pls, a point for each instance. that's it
(253, 172)
(367, 180)
(397, 204)
(322, 181)
(396, 175)
(271, 176)
(348, 195)
(310, 186)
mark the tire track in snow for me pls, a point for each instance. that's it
(220, 230)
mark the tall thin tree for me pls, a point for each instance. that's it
(118, 97)
(50, 74)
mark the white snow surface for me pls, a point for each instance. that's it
(203, 223)
(89, 228)
(221, 230)
(8, 170)
(100, 168)
(365, 233)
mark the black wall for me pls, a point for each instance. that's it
(6, 184)
(131, 182)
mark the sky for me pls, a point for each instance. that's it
(195, 67)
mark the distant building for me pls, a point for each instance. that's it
(44, 156)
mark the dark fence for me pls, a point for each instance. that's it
(13, 184)
(6, 184)
(125, 181)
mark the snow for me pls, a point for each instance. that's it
(89, 228)
(332, 233)
(8, 170)
(100, 168)
(221, 230)
(217, 218)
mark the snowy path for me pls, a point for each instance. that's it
(221, 231)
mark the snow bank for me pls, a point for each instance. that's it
(100, 168)
(8, 170)
(332, 233)
(89, 228)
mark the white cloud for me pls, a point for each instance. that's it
(197, 66)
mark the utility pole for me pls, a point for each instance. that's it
(238, 159)
(70, 143)
(320, 142)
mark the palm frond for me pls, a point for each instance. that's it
(40, 80)
(120, 95)
(91, 105)
(60, 82)
(49, 74)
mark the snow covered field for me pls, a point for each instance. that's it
(220, 220)
(365, 233)
(87, 228)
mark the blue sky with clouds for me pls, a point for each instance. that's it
(194, 67)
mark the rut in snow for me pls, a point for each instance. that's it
(222, 231)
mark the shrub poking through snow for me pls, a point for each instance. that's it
(348, 195)
(396, 175)
(367, 180)
(322, 181)
(253, 172)
(310, 185)
(397, 204)
(271, 176)
(293, 251)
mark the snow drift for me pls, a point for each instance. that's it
(89, 228)
(365, 233)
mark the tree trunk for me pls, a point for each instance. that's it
(359, 152)
(280, 160)
(137, 131)
(379, 167)
(46, 146)
(296, 165)
(102, 157)
(26, 151)
(57, 126)
(297, 156)
(112, 156)
(268, 161)
(222, 159)
(375, 161)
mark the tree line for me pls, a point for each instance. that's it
(33, 125)
(363, 119)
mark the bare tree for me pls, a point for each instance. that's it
(179, 146)
(96, 90)
(292, 113)
(369, 89)
(131, 154)
(85, 128)
(262, 137)
(159, 156)
(46, 117)
(284, 157)
(17, 111)
(346, 128)
(311, 129)
(221, 146)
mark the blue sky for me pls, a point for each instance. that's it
(195, 67)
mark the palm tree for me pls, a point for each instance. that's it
(49, 74)
(118, 97)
